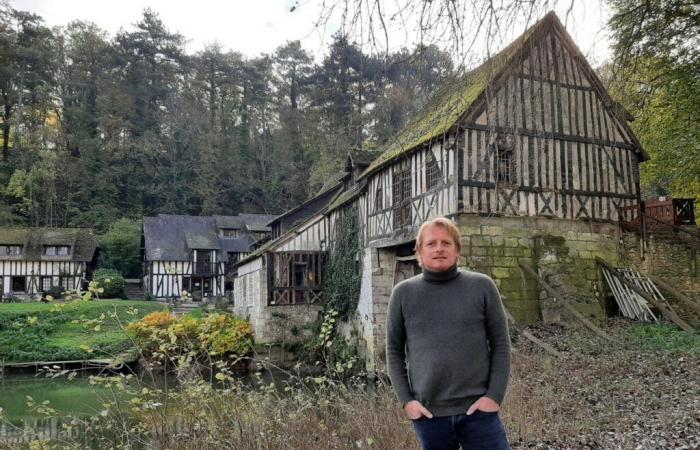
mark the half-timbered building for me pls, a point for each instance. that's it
(284, 277)
(195, 253)
(527, 153)
(33, 260)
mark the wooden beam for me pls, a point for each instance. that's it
(665, 309)
(555, 135)
(565, 303)
(675, 292)
(531, 337)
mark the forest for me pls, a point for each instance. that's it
(98, 127)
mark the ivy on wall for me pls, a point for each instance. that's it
(344, 269)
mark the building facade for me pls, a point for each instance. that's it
(532, 159)
(35, 260)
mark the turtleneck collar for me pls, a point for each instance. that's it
(441, 277)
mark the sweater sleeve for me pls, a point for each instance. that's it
(396, 350)
(499, 344)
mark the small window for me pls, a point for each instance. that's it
(229, 232)
(401, 196)
(505, 160)
(379, 199)
(46, 284)
(432, 172)
(10, 249)
(56, 250)
(66, 283)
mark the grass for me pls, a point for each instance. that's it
(67, 331)
(664, 337)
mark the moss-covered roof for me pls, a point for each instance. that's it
(450, 103)
(343, 198)
(33, 240)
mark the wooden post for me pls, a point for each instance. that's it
(668, 312)
(565, 303)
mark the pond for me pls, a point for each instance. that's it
(75, 397)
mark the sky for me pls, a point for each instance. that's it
(253, 27)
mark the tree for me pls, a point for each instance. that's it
(120, 248)
(656, 75)
(25, 71)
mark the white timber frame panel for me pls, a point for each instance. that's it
(68, 274)
(308, 237)
(165, 278)
(572, 155)
(422, 202)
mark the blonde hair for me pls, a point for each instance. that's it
(444, 223)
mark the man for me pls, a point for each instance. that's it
(448, 351)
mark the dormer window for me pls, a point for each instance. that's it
(56, 250)
(10, 250)
(230, 232)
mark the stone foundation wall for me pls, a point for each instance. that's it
(668, 256)
(561, 251)
(370, 319)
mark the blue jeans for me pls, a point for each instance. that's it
(481, 430)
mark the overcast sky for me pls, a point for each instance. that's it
(253, 27)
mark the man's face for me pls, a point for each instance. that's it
(438, 252)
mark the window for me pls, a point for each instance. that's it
(46, 284)
(66, 282)
(401, 196)
(229, 232)
(432, 172)
(505, 159)
(19, 284)
(56, 250)
(379, 196)
(10, 249)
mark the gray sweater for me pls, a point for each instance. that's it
(450, 329)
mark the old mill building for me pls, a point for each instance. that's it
(527, 153)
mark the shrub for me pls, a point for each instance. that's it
(214, 334)
(111, 281)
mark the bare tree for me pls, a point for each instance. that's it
(465, 28)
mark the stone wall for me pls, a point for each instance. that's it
(561, 251)
(370, 319)
(669, 256)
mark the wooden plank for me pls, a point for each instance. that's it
(590, 325)
(675, 292)
(646, 296)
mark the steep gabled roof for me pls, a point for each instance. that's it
(81, 240)
(467, 92)
(256, 222)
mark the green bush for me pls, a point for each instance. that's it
(111, 281)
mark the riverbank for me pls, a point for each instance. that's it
(640, 392)
(67, 331)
